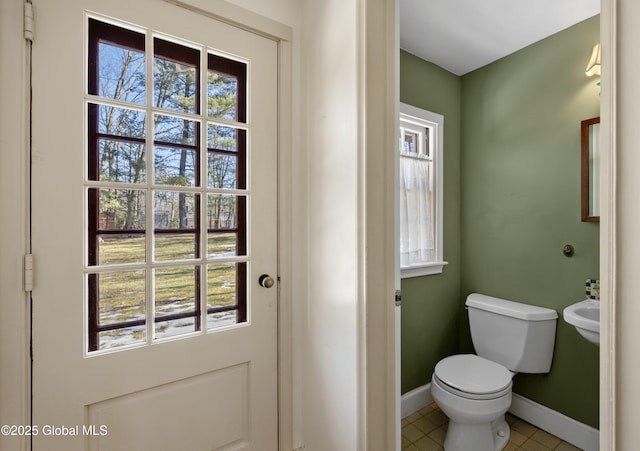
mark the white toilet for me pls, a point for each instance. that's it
(474, 391)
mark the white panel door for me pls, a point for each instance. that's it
(153, 219)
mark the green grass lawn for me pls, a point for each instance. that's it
(118, 249)
(122, 293)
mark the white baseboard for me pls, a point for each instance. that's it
(572, 431)
(415, 400)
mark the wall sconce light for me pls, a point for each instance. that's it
(593, 68)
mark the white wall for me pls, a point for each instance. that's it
(347, 328)
(329, 332)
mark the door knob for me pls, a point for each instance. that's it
(265, 281)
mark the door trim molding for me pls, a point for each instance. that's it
(285, 248)
(608, 39)
(237, 17)
(14, 241)
(378, 112)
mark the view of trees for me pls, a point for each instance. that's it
(122, 140)
(166, 144)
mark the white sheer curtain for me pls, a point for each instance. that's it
(416, 212)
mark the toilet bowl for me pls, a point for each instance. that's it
(474, 391)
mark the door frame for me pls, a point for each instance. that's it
(14, 241)
(15, 372)
(609, 192)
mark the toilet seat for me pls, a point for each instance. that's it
(473, 377)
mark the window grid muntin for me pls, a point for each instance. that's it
(425, 133)
(150, 187)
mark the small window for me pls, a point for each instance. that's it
(420, 192)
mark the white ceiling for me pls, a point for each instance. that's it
(463, 35)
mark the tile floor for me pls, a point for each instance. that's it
(425, 431)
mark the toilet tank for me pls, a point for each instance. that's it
(518, 336)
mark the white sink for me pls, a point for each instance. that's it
(585, 317)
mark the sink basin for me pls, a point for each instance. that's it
(585, 317)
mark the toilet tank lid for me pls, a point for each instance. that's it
(510, 308)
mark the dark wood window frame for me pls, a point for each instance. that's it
(102, 32)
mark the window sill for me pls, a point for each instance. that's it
(422, 270)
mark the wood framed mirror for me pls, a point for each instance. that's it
(590, 169)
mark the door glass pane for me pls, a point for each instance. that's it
(175, 246)
(221, 285)
(225, 223)
(226, 89)
(222, 319)
(173, 166)
(121, 248)
(174, 209)
(222, 170)
(122, 73)
(115, 308)
(226, 158)
(121, 302)
(121, 161)
(120, 122)
(175, 77)
(175, 327)
(117, 66)
(221, 244)
(222, 96)
(222, 211)
(225, 301)
(120, 209)
(117, 226)
(175, 290)
(116, 144)
(222, 137)
(176, 301)
(124, 336)
(175, 130)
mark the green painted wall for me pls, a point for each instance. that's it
(521, 200)
(430, 304)
(516, 178)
